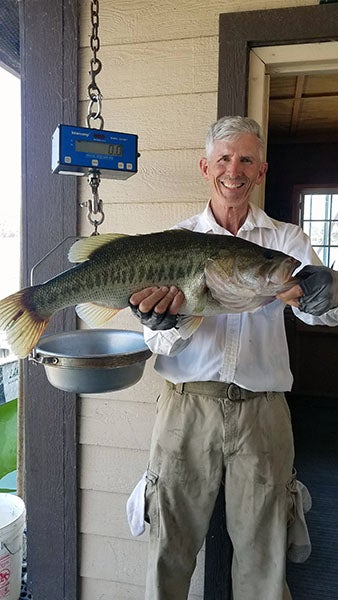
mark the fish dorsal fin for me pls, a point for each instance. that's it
(82, 249)
(95, 315)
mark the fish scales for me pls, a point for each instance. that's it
(216, 273)
(130, 270)
(128, 254)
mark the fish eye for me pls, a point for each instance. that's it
(268, 254)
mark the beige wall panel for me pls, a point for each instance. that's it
(116, 423)
(104, 513)
(140, 218)
(176, 67)
(113, 559)
(94, 589)
(168, 176)
(111, 469)
(161, 122)
(127, 21)
(124, 561)
(98, 589)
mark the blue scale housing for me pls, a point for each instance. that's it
(79, 150)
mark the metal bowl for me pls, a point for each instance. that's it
(92, 361)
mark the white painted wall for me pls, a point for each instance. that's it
(159, 80)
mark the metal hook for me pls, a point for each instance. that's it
(95, 206)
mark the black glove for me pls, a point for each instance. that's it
(320, 288)
(153, 320)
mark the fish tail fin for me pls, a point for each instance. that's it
(22, 325)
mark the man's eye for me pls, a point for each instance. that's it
(246, 160)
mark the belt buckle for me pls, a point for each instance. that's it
(234, 392)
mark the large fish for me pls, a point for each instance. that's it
(217, 274)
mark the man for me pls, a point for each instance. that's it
(222, 415)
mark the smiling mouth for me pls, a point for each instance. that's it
(232, 186)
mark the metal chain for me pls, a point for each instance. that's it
(95, 213)
(94, 92)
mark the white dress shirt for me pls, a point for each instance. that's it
(249, 349)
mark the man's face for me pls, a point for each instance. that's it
(233, 170)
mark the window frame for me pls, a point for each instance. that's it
(299, 191)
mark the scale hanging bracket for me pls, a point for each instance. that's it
(95, 206)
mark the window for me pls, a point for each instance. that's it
(10, 156)
(318, 216)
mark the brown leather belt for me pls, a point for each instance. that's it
(218, 389)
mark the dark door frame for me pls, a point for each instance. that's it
(238, 33)
(48, 44)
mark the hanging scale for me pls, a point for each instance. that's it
(91, 150)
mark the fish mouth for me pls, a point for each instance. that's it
(283, 275)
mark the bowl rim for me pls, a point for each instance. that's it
(40, 351)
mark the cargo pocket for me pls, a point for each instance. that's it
(299, 502)
(151, 512)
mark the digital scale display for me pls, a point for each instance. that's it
(79, 150)
(98, 148)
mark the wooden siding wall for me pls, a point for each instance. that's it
(159, 80)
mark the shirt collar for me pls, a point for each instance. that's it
(256, 218)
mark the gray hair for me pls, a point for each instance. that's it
(231, 127)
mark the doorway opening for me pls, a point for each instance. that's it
(10, 250)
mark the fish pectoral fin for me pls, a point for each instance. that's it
(188, 325)
(83, 248)
(95, 315)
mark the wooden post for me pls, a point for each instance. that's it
(49, 206)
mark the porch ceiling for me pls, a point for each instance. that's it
(304, 108)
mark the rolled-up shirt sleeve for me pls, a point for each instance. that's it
(329, 318)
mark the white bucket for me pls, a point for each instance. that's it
(12, 525)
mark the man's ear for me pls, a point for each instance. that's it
(262, 171)
(204, 168)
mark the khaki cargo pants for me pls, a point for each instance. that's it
(200, 439)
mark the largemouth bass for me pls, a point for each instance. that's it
(216, 273)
